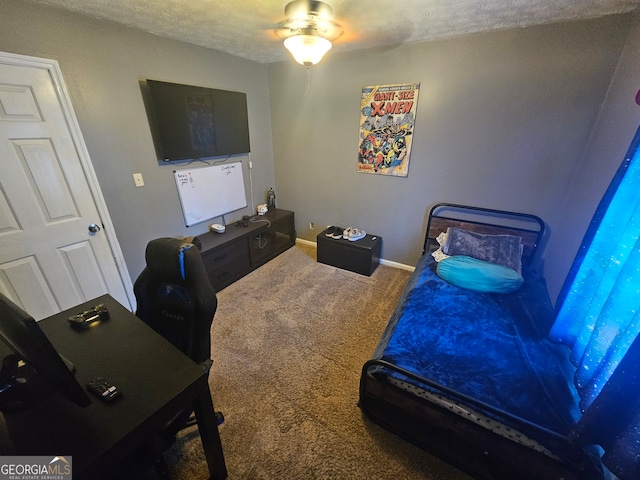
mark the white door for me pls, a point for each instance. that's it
(57, 247)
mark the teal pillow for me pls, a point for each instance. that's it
(479, 276)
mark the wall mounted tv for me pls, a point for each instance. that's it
(190, 122)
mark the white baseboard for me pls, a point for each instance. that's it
(393, 264)
(308, 243)
(388, 263)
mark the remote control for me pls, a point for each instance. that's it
(103, 389)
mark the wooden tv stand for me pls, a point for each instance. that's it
(241, 249)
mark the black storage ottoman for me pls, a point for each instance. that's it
(361, 256)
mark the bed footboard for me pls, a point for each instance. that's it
(460, 442)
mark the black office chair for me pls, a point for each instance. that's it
(176, 299)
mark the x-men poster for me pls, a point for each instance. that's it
(387, 115)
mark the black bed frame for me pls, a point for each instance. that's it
(476, 219)
(460, 442)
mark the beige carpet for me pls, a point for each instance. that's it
(288, 343)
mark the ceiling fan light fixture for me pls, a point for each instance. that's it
(309, 30)
(307, 49)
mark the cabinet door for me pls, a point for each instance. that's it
(271, 241)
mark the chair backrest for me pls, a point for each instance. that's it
(175, 297)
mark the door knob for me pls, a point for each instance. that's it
(94, 228)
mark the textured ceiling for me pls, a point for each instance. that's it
(246, 28)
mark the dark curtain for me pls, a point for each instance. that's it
(599, 319)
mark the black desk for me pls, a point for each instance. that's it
(156, 381)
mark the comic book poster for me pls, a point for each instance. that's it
(387, 115)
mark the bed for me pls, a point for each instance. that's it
(469, 374)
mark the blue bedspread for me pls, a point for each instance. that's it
(490, 347)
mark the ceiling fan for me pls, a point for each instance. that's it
(308, 30)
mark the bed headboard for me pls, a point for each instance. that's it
(486, 221)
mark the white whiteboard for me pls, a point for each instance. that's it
(209, 192)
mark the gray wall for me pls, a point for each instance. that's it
(503, 120)
(613, 132)
(102, 64)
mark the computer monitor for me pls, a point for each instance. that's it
(28, 343)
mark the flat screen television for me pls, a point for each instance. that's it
(28, 343)
(189, 122)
